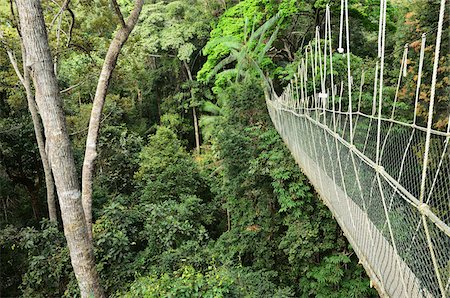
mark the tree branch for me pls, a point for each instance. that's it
(15, 22)
(118, 12)
(109, 64)
(71, 87)
(13, 60)
(61, 10)
(72, 24)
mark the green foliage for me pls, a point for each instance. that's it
(232, 29)
(277, 223)
(215, 282)
(174, 27)
(167, 171)
(118, 159)
(164, 222)
(183, 283)
(12, 260)
(48, 262)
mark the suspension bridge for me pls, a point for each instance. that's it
(386, 181)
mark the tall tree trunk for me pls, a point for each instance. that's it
(38, 59)
(97, 107)
(194, 114)
(38, 131)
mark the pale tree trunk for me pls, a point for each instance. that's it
(194, 114)
(38, 130)
(38, 59)
(97, 107)
(196, 131)
(25, 80)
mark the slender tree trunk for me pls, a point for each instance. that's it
(97, 107)
(228, 220)
(194, 114)
(196, 130)
(38, 58)
(38, 131)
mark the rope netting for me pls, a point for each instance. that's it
(385, 178)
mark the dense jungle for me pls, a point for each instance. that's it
(138, 159)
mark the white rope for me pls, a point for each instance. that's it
(361, 84)
(402, 73)
(349, 75)
(428, 140)
(402, 67)
(432, 97)
(341, 25)
(314, 69)
(419, 76)
(381, 39)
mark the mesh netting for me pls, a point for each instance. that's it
(386, 181)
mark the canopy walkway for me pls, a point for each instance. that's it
(386, 181)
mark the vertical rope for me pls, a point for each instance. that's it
(333, 97)
(428, 140)
(361, 84)
(419, 76)
(400, 75)
(349, 76)
(381, 52)
(324, 94)
(305, 75)
(432, 97)
(363, 77)
(403, 66)
(381, 39)
(341, 25)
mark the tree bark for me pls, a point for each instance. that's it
(38, 131)
(97, 107)
(196, 131)
(39, 60)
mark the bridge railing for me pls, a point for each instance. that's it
(374, 210)
(387, 182)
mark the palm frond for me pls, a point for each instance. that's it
(221, 64)
(264, 27)
(268, 45)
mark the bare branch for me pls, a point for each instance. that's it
(15, 21)
(72, 24)
(13, 60)
(59, 16)
(118, 12)
(61, 10)
(71, 87)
